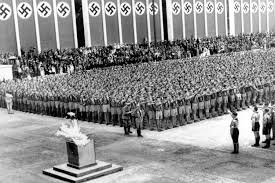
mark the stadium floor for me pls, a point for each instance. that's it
(197, 153)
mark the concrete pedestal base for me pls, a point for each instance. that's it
(69, 174)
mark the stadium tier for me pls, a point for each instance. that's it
(58, 24)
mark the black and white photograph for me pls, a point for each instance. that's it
(137, 91)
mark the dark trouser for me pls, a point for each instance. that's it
(235, 139)
(127, 126)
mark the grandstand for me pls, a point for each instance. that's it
(155, 65)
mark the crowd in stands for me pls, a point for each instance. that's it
(68, 60)
(184, 90)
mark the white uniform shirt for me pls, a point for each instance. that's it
(255, 117)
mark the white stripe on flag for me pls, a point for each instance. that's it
(183, 19)
(205, 19)
(104, 23)
(161, 20)
(37, 31)
(242, 16)
(16, 28)
(251, 19)
(260, 17)
(86, 22)
(148, 21)
(134, 21)
(216, 19)
(195, 21)
(56, 25)
(119, 23)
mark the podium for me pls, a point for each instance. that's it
(82, 165)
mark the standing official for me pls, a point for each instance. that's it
(266, 127)
(255, 119)
(8, 100)
(234, 131)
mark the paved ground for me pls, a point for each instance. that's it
(197, 153)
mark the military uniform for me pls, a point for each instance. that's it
(234, 131)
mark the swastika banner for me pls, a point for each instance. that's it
(271, 15)
(126, 14)
(140, 9)
(65, 17)
(246, 16)
(263, 15)
(189, 18)
(221, 17)
(111, 16)
(7, 27)
(237, 8)
(176, 9)
(26, 24)
(254, 8)
(211, 21)
(200, 18)
(155, 26)
(46, 24)
(95, 24)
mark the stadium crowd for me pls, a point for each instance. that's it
(31, 64)
(171, 93)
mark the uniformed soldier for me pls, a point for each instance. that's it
(167, 113)
(225, 101)
(150, 113)
(188, 110)
(139, 113)
(159, 114)
(232, 99)
(255, 119)
(207, 104)
(174, 113)
(249, 96)
(8, 100)
(181, 110)
(239, 100)
(213, 105)
(126, 117)
(219, 103)
(261, 94)
(201, 108)
(234, 131)
(266, 127)
(255, 94)
(244, 98)
(195, 107)
(106, 109)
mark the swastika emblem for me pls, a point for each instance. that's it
(176, 8)
(237, 7)
(125, 9)
(209, 7)
(187, 8)
(153, 7)
(139, 8)
(44, 9)
(24, 10)
(254, 7)
(262, 7)
(94, 9)
(219, 7)
(5, 11)
(245, 7)
(63, 9)
(110, 9)
(199, 7)
(270, 6)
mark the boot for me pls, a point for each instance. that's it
(129, 130)
(267, 144)
(139, 132)
(125, 131)
(257, 140)
(236, 149)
